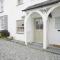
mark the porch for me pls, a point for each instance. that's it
(49, 19)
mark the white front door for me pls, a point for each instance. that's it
(38, 30)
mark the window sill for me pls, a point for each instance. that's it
(20, 33)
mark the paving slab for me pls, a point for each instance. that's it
(10, 50)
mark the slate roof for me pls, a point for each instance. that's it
(46, 3)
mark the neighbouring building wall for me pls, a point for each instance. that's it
(12, 17)
(53, 33)
(9, 7)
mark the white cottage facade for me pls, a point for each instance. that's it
(33, 21)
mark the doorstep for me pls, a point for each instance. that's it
(53, 49)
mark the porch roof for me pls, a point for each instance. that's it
(46, 3)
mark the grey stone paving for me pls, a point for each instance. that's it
(13, 51)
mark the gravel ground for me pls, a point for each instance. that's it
(14, 51)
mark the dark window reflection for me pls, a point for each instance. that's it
(39, 25)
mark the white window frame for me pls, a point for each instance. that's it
(1, 6)
(4, 22)
(57, 23)
(18, 26)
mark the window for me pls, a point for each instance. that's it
(57, 23)
(38, 23)
(20, 2)
(1, 6)
(20, 26)
(3, 22)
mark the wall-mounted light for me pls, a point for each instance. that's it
(50, 15)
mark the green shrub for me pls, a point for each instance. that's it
(4, 34)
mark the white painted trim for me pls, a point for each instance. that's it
(52, 8)
(45, 41)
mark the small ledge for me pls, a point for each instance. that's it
(19, 4)
(2, 12)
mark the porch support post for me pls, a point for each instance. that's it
(45, 42)
(25, 29)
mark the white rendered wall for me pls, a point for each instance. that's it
(14, 13)
(19, 14)
(29, 30)
(53, 34)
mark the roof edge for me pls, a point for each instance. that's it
(32, 7)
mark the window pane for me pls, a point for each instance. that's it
(40, 26)
(1, 5)
(39, 23)
(57, 22)
(3, 22)
(20, 26)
